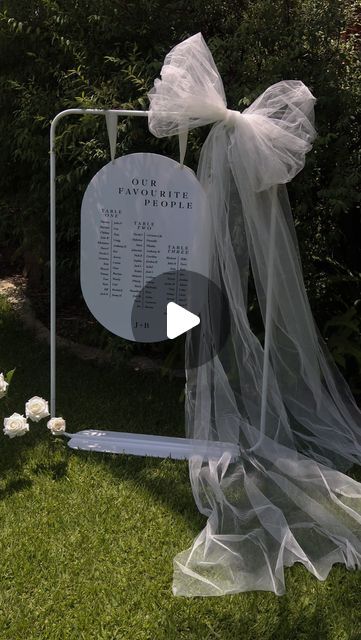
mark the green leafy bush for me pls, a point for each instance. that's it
(106, 53)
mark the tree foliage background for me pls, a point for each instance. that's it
(106, 53)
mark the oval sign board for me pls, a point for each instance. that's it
(142, 215)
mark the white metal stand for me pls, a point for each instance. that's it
(113, 441)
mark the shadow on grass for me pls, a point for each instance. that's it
(14, 486)
(307, 623)
(167, 481)
(56, 470)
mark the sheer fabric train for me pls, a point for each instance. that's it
(286, 499)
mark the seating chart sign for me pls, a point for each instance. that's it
(142, 215)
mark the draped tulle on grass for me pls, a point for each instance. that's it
(282, 400)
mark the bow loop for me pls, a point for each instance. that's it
(190, 93)
(275, 134)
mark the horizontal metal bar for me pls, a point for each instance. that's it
(97, 112)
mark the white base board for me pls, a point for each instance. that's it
(149, 445)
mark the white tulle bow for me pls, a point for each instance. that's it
(276, 131)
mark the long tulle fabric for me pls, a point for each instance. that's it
(285, 499)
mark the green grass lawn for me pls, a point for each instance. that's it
(87, 539)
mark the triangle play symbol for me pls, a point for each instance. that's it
(179, 320)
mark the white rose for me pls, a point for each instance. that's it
(15, 425)
(3, 385)
(36, 408)
(56, 425)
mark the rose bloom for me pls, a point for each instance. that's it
(36, 408)
(3, 385)
(56, 425)
(15, 425)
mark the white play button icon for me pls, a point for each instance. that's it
(179, 320)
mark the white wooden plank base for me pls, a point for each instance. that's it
(148, 445)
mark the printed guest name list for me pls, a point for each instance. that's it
(141, 216)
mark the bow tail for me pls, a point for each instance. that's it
(262, 507)
(314, 401)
